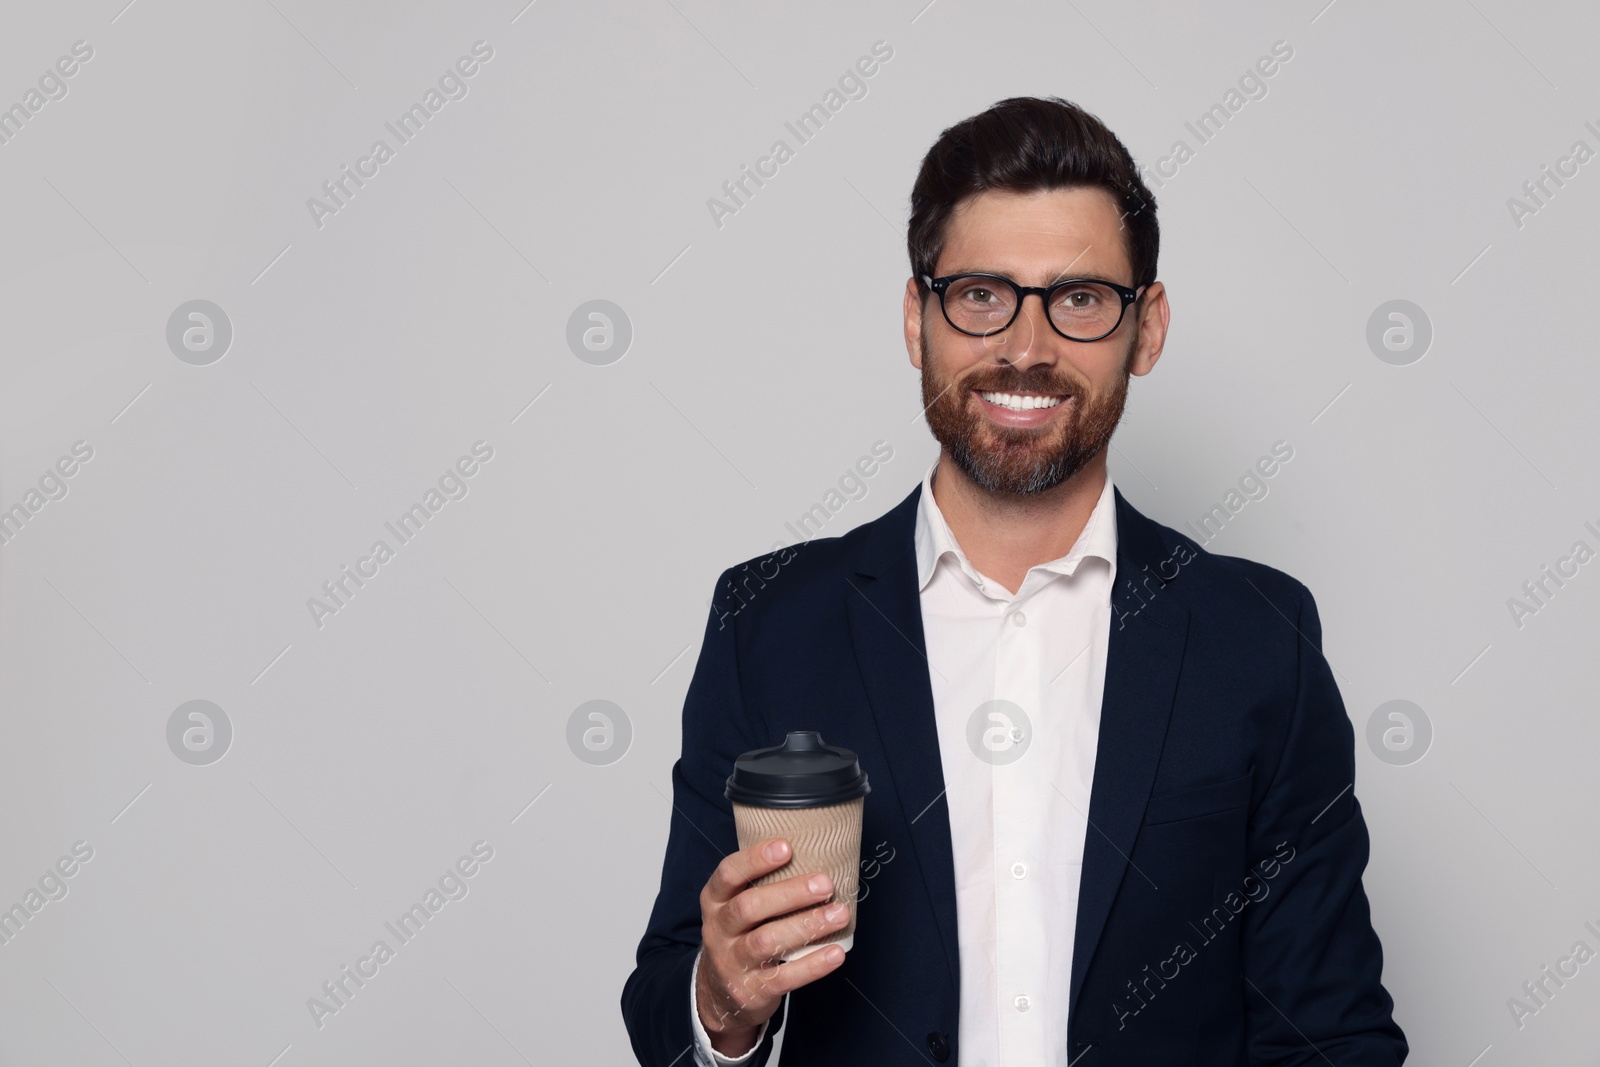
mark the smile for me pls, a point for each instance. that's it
(1021, 401)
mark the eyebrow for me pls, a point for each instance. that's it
(1061, 275)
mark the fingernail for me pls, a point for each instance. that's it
(776, 851)
(818, 883)
(835, 913)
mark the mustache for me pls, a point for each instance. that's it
(1011, 380)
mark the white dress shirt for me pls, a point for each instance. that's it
(1018, 803)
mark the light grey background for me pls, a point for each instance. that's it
(428, 313)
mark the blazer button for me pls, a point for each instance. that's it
(938, 1046)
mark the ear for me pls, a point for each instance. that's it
(913, 322)
(1153, 321)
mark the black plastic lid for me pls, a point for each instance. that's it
(803, 772)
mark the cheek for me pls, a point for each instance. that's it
(1105, 369)
(953, 358)
(964, 355)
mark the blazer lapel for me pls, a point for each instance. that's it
(885, 616)
(1148, 629)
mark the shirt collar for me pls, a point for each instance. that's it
(934, 539)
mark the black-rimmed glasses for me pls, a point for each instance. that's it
(1079, 309)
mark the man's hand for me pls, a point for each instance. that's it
(738, 987)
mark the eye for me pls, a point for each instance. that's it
(974, 293)
(1086, 301)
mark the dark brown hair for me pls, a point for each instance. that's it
(1027, 144)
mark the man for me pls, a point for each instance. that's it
(1112, 776)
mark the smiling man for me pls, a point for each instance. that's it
(1116, 765)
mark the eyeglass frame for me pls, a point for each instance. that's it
(1127, 295)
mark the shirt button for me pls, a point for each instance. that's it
(1022, 1002)
(1019, 870)
(1018, 619)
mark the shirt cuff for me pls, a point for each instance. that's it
(704, 1054)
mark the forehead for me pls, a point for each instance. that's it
(1037, 235)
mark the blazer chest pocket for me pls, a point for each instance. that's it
(1210, 799)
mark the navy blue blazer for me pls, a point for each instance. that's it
(1221, 918)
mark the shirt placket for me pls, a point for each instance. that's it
(1019, 904)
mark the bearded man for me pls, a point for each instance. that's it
(1113, 769)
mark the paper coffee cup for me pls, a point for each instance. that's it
(812, 795)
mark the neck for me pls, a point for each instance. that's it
(1003, 535)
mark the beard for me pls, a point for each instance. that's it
(1011, 460)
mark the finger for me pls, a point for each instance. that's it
(785, 978)
(738, 869)
(758, 904)
(772, 940)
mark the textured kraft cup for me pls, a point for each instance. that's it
(824, 837)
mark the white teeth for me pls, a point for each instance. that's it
(1021, 402)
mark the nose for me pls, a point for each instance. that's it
(1020, 343)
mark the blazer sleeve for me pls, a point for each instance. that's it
(1312, 962)
(717, 728)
